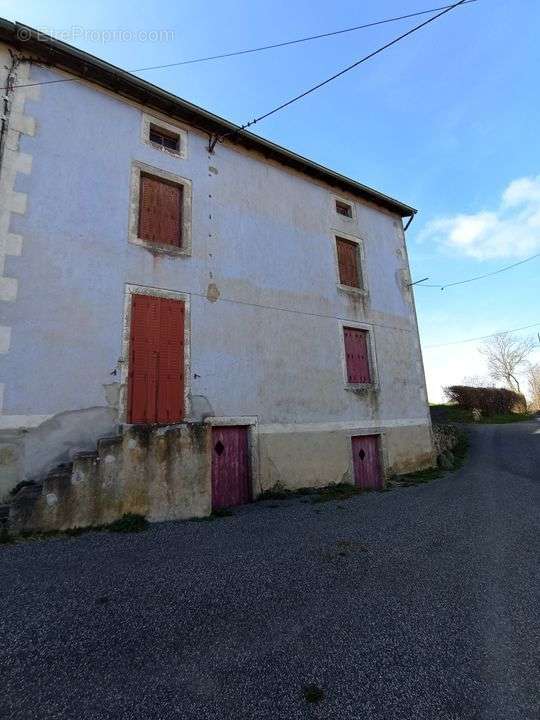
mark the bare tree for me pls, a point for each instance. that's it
(477, 381)
(533, 376)
(506, 357)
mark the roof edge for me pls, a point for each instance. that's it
(65, 57)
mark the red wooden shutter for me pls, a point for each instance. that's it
(156, 362)
(348, 262)
(356, 354)
(170, 403)
(160, 211)
(143, 359)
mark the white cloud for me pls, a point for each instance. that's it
(452, 365)
(512, 230)
(450, 368)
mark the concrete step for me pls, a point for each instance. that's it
(106, 444)
(60, 471)
(85, 455)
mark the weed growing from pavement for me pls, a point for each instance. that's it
(313, 693)
(341, 491)
(344, 549)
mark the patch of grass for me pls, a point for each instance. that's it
(5, 537)
(455, 414)
(313, 693)
(279, 492)
(314, 495)
(509, 418)
(461, 449)
(128, 523)
(274, 495)
(346, 547)
(424, 476)
(42, 534)
(76, 531)
(416, 478)
(303, 491)
(214, 515)
(442, 413)
(340, 491)
(222, 512)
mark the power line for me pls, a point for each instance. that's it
(295, 312)
(342, 72)
(479, 277)
(305, 39)
(483, 337)
(263, 47)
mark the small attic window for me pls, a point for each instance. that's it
(164, 138)
(343, 208)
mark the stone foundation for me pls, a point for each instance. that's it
(162, 473)
(165, 473)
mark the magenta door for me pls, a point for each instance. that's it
(366, 462)
(231, 480)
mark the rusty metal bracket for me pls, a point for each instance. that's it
(409, 222)
(213, 139)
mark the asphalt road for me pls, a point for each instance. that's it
(416, 603)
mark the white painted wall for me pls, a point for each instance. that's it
(261, 234)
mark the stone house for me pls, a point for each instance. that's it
(191, 315)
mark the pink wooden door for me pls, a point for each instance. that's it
(366, 461)
(231, 481)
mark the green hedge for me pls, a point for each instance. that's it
(491, 401)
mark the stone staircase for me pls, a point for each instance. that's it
(159, 472)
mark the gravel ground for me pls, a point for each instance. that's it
(420, 602)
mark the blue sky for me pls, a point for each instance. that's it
(446, 121)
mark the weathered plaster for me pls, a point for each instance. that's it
(319, 457)
(269, 345)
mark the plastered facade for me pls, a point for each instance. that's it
(266, 310)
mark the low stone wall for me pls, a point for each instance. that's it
(445, 437)
(162, 473)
